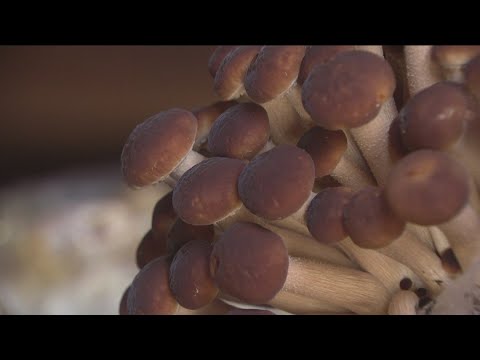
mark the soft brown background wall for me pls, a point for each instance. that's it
(62, 106)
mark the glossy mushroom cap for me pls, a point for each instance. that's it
(240, 132)
(349, 90)
(190, 279)
(427, 187)
(319, 55)
(182, 233)
(249, 312)
(326, 148)
(228, 82)
(434, 117)
(396, 148)
(123, 310)
(150, 248)
(207, 115)
(207, 192)
(273, 72)
(249, 263)
(277, 183)
(163, 216)
(150, 292)
(450, 56)
(472, 77)
(369, 221)
(325, 214)
(156, 147)
(217, 57)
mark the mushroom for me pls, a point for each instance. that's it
(241, 132)
(150, 294)
(428, 187)
(370, 223)
(437, 118)
(159, 147)
(181, 233)
(325, 222)
(472, 76)
(452, 59)
(217, 57)
(403, 302)
(251, 263)
(190, 279)
(348, 93)
(327, 149)
(206, 117)
(228, 82)
(207, 194)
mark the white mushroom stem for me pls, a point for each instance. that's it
(348, 173)
(387, 270)
(355, 290)
(407, 250)
(463, 233)
(404, 302)
(440, 241)
(422, 72)
(191, 159)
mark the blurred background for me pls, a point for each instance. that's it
(69, 227)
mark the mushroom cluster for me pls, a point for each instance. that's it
(326, 180)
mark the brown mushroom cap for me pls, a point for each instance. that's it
(277, 183)
(150, 248)
(454, 55)
(156, 146)
(325, 214)
(207, 192)
(427, 187)
(249, 312)
(396, 149)
(190, 279)
(472, 77)
(163, 216)
(150, 292)
(182, 233)
(217, 58)
(318, 55)
(123, 310)
(273, 72)
(240, 132)
(228, 82)
(249, 263)
(349, 90)
(207, 115)
(326, 148)
(369, 221)
(434, 117)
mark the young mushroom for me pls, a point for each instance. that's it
(190, 279)
(370, 223)
(150, 294)
(327, 149)
(217, 57)
(348, 93)
(241, 132)
(252, 264)
(325, 222)
(159, 147)
(429, 188)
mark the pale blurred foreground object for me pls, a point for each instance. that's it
(66, 241)
(462, 297)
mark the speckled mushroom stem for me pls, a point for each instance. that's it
(421, 71)
(357, 291)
